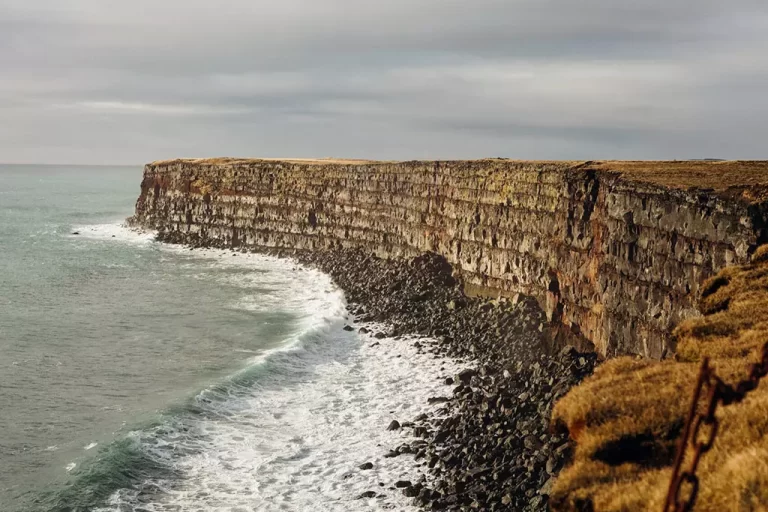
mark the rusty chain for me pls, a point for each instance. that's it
(718, 392)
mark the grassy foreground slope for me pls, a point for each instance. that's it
(626, 418)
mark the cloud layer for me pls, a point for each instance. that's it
(92, 81)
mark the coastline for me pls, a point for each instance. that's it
(327, 388)
(616, 254)
(490, 444)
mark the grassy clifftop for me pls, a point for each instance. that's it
(746, 180)
(627, 417)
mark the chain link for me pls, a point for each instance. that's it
(705, 424)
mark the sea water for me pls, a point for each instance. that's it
(140, 376)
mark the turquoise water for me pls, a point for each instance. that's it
(100, 333)
(142, 377)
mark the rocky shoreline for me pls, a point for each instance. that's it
(491, 447)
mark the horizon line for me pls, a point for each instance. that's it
(71, 164)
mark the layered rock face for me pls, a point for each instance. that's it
(612, 259)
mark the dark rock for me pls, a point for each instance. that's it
(465, 376)
(553, 464)
(366, 466)
(546, 489)
(532, 443)
(402, 483)
(490, 444)
(441, 436)
(367, 494)
(349, 328)
(411, 492)
(425, 496)
(394, 425)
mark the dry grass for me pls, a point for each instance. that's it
(238, 161)
(746, 180)
(625, 418)
(344, 161)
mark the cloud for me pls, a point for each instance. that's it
(117, 81)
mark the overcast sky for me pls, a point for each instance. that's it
(107, 81)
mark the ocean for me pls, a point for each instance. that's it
(138, 376)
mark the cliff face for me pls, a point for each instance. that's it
(610, 257)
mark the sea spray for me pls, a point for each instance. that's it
(289, 429)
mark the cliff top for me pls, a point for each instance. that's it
(740, 179)
(744, 179)
(240, 161)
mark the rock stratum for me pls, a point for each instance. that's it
(614, 252)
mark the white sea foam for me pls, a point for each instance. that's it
(297, 446)
(115, 231)
(290, 431)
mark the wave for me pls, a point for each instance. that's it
(114, 231)
(288, 431)
(289, 434)
(124, 463)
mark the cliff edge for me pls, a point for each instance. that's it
(613, 251)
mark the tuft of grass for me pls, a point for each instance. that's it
(760, 255)
(632, 410)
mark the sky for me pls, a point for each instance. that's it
(126, 82)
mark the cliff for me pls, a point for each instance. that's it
(613, 251)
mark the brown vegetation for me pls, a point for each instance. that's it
(746, 180)
(236, 161)
(626, 418)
